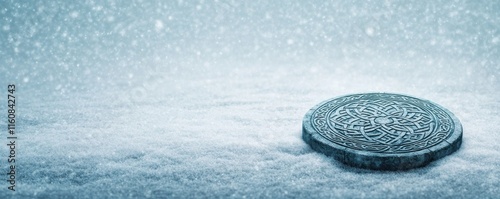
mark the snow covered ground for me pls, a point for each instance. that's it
(205, 99)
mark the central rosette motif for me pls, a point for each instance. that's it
(382, 121)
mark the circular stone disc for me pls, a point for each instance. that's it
(382, 131)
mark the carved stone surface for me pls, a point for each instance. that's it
(382, 131)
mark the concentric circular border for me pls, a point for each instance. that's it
(381, 161)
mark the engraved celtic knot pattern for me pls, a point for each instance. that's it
(382, 123)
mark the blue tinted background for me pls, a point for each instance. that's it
(196, 99)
